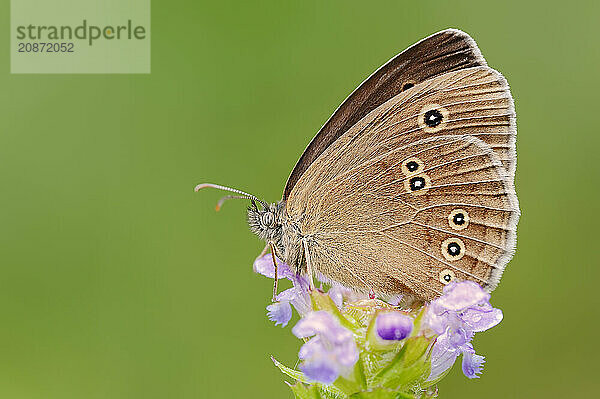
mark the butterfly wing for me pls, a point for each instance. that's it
(419, 192)
(442, 52)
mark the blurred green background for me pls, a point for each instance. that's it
(117, 281)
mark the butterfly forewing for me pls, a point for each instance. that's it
(442, 52)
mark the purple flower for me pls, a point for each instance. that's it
(445, 352)
(393, 325)
(280, 312)
(330, 352)
(464, 305)
(456, 316)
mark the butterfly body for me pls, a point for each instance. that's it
(409, 185)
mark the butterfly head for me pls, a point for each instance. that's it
(265, 221)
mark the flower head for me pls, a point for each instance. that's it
(330, 352)
(373, 348)
(339, 321)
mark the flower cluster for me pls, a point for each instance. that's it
(356, 346)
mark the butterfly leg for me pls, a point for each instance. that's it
(309, 271)
(275, 281)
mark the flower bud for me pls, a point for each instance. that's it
(393, 326)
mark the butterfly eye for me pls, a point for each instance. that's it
(433, 118)
(453, 249)
(412, 166)
(458, 219)
(268, 219)
(446, 276)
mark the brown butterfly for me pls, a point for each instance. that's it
(409, 185)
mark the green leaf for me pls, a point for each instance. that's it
(295, 374)
(359, 368)
(418, 321)
(347, 386)
(302, 391)
(408, 368)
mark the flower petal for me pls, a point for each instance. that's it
(264, 266)
(443, 356)
(320, 369)
(280, 313)
(459, 337)
(301, 301)
(311, 348)
(472, 364)
(336, 293)
(461, 295)
(481, 318)
(319, 322)
(439, 318)
(463, 306)
(346, 353)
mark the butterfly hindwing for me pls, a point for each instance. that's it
(428, 171)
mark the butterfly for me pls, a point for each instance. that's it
(409, 185)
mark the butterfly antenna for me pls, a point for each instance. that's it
(242, 194)
(228, 197)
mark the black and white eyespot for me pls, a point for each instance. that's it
(447, 276)
(268, 219)
(412, 166)
(458, 219)
(453, 249)
(417, 184)
(433, 118)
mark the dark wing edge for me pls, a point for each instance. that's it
(444, 51)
